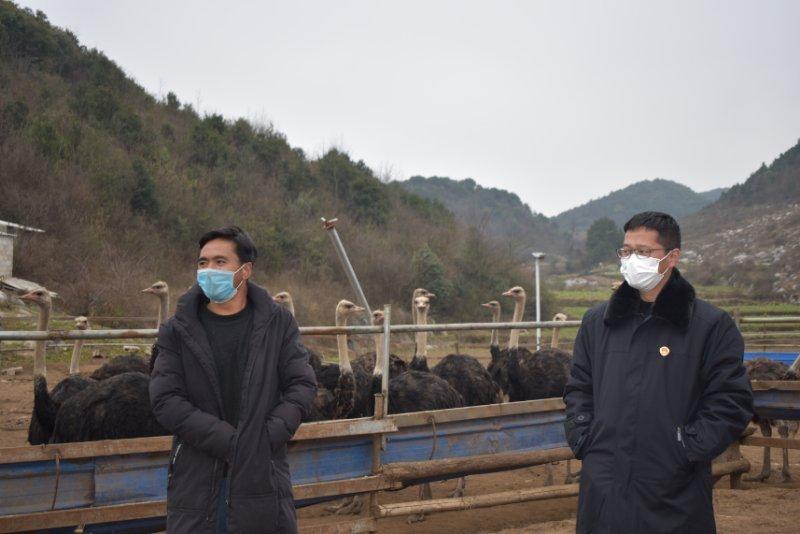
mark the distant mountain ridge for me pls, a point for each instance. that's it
(497, 212)
(658, 195)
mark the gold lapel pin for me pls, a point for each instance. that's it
(664, 351)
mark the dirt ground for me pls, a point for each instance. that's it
(766, 507)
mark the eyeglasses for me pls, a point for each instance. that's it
(641, 253)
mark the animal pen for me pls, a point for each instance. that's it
(121, 485)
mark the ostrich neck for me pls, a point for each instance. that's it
(378, 354)
(495, 319)
(74, 363)
(422, 337)
(39, 364)
(163, 309)
(513, 338)
(554, 339)
(341, 345)
(290, 306)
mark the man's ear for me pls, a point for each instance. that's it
(247, 272)
(675, 255)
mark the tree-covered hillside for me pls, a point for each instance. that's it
(657, 195)
(124, 183)
(496, 212)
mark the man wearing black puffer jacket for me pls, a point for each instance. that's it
(657, 390)
(232, 382)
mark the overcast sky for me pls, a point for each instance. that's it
(559, 102)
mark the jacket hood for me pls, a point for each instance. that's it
(674, 303)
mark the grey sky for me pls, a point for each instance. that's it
(559, 102)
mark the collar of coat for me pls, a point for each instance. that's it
(189, 304)
(674, 303)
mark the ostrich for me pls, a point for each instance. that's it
(46, 405)
(81, 323)
(344, 390)
(160, 289)
(284, 299)
(115, 408)
(124, 363)
(766, 369)
(538, 375)
(43, 299)
(498, 368)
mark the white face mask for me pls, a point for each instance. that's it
(641, 274)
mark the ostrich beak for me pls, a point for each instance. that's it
(359, 309)
(431, 295)
(28, 296)
(507, 294)
(148, 290)
(486, 305)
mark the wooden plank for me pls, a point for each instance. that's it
(86, 449)
(114, 447)
(778, 443)
(79, 516)
(783, 385)
(719, 469)
(477, 412)
(345, 487)
(344, 428)
(477, 501)
(472, 465)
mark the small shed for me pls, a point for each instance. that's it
(8, 232)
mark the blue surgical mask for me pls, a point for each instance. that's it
(217, 284)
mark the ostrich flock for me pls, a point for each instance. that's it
(113, 401)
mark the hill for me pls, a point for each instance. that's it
(620, 205)
(750, 237)
(124, 183)
(498, 213)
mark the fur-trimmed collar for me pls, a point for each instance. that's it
(674, 303)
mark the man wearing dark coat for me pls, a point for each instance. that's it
(657, 390)
(232, 382)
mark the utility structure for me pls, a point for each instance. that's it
(9, 231)
(536, 257)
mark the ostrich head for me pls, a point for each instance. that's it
(560, 317)
(346, 309)
(284, 299)
(492, 305)
(159, 288)
(516, 293)
(41, 297)
(422, 304)
(81, 323)
(422, 292)
(378, 318)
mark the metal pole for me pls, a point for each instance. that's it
(538, 308)
(329, 225)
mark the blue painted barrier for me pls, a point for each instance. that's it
(784, 357)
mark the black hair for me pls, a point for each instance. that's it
(669, 233)
(245, 248)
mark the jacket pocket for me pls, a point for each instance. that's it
(254, 513)
(579, 429)
(189, 486)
